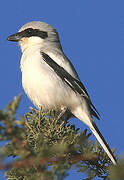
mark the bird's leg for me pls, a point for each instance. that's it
(63, 110)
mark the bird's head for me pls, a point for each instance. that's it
(34, 33)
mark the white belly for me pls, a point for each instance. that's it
(43, 86)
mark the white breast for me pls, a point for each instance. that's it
(42, 85)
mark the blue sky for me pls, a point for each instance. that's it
(92, 36)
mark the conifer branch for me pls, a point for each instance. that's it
(44, 147)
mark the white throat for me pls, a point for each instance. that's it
(30, 42)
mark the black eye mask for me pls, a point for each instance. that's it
(28, 33)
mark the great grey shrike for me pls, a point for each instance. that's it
(49, 78)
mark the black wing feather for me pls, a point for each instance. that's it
(73, 83)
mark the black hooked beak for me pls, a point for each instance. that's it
(15, 37)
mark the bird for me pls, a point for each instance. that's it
(50, 80)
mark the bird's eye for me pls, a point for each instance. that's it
(29, 30)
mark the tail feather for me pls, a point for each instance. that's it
(87, 119)
(103, 143)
